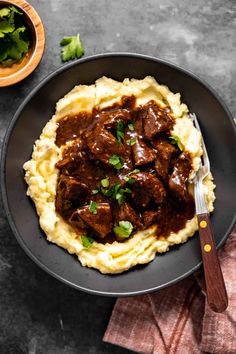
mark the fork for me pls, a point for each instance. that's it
(215, 285)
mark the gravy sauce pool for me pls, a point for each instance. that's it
(148, 187)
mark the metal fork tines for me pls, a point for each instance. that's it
(203, 171)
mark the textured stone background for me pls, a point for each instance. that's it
(37, 313)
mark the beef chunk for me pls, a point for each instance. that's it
(149, 217)
(71, 157)
(164, 148)
(178, 179)
(142, 154)
(165, 151)
(155, 120)
(100, 223)
(103, 144)
(126, 212)
(111, 118)
(146, 188)
(69, 192)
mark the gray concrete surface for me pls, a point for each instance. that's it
(38, 314)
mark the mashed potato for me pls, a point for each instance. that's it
(41, 174)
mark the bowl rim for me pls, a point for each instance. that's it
(10, 129)
(37, 53)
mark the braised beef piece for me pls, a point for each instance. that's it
(179, 177)
(72, 156)
(142, 154)
(103, 144)
(71, 127)
(165, 151)
(155, 120)
(100, 223)
(111, 118)
(69, 192)
(149, 217)
(146, 188)
(127, 213)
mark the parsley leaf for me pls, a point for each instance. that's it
(124, 229)
(4, 12)
(120, 195)
(132, 142)
(131, 126)
(176, 141)
(72, 48)
(93, 207)
(116, 161)
(87, 241)
(120, 130)
(105, 182)
(136, 170)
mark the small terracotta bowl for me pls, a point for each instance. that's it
(19, 71)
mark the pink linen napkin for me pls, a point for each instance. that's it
(178, 320)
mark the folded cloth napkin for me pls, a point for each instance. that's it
(178, 320)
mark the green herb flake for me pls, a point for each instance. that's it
(95, 191)
(72, 48)
(87, 241)
(120, 130)
(116, 161)
(129, 180)
(131, 126)
(105, 182)
(120, 195)
(132, 142)
(124, 229)
(93, 207)
(176, 141)
(136, 170)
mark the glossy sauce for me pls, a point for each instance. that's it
(86, 160)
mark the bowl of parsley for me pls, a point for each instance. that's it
(22, 41)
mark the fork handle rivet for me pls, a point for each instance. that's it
(203, 224)
(207, 248)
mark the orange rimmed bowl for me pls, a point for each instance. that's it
(19, 71)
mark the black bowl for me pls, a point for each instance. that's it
(219, 134)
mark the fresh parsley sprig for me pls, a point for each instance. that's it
(14, 38)
(72, 48)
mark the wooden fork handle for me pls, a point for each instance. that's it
(215, 285)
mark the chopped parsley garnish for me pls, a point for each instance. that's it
(124, 229)
(87, 241)
(116, 193)
(136, 170)
(129, 179)
(105, 182)
(93, 207)
(14, 37)
(120, 195)
(95, 191)
(176, 141)
(116, 161)
(131, 142)
(131, 126)
(72, 48)
(120, 130)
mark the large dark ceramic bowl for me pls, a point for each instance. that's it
(29, 120)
